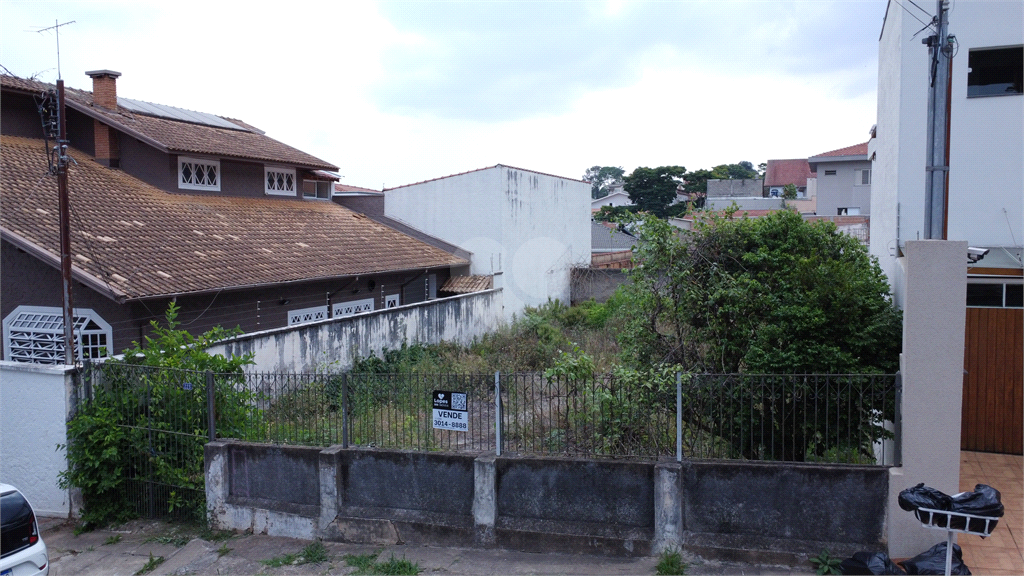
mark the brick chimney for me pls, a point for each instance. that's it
(104, 95)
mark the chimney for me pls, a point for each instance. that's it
(104, 88)
(104, 95)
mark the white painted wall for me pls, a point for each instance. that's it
(932, 368)
(334, 344)
(528, 228)
(617, 199)
(842, 189)
(986, 140)
(34, 407)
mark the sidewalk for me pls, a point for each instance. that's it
(126, 550)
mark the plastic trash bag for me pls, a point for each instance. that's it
(933, 561)
(922, 496)
(868, 563)
(984, 501)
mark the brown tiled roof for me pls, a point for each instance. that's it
(177, 136)
(467, 284)
(855, 150)
(782, 172)
(338, 187)
(142, 242)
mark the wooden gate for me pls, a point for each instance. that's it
(993, 400)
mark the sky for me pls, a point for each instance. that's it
(398, 92)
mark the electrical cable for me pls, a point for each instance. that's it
(914, 16)
(930, 15)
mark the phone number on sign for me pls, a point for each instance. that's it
(451, 425)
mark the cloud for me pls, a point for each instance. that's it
(491, 61)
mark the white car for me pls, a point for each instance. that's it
(22, 551)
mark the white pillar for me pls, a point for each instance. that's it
(932, 365)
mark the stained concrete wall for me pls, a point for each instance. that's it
(742, 510)
(334, 344)
(932, 364)
(35, 403)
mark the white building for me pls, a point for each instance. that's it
(525, 228)
(616, 198)
(986, 191)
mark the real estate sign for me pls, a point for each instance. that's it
(450, 410)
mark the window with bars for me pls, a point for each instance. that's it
(196, 174)
(279, 181)
(36, 334)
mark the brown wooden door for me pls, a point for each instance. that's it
(993, 402)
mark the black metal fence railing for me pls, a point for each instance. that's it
(788, 418)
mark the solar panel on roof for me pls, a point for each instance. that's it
(180, 114)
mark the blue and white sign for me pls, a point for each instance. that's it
(450, 411)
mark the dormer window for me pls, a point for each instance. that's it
(279, 181)
(317, 189)
(198, 174)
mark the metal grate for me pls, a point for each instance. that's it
(36, 334)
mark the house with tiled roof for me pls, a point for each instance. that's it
(779, 173)
(843, 181)
(171, 205)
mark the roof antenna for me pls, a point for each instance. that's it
(56, 29)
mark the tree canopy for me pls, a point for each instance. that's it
(769, 295)
(652, 190)
(602, 178)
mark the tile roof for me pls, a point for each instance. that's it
(178, 136)
(603, 237)
(342, 188)
(140, 242)
(782, 172)
(855, 150)
(467, 284)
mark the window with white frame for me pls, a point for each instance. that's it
(36, 334)
(862, 177)
(342, 309)
(320, 189)
(304, 315)
(994, 293)
(279, 181)
(198, 174)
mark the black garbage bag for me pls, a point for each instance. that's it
(922, 496)
(984, 501)
(933, 561)
(868, 563)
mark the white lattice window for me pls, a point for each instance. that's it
(279, 181)
(36, 334)
(196, 174)
(304, 315)
(355, 307)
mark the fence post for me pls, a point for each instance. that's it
(344, 410)
(679, 417)
(497, 413)
(210, 406)
(897, 459)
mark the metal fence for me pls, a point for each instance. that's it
(788, 418)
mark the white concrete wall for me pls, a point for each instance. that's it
(986, 140)
(528, 228)
(334, 344)
(932, 366)
(34, 407)
(615, 200)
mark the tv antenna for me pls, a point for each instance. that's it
(56, 30)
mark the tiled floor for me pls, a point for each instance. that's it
(1003, 551)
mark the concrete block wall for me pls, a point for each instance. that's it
(754, 512)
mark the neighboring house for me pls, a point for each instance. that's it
(609, 246)
(844, 181)
(736, 188)
(779, 173)
(524, 228)
(170, 205)
(985, 193)
(687, 222)
(614, 199)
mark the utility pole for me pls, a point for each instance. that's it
(59, 165)
(940, 47)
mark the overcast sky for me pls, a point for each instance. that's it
(397, 92)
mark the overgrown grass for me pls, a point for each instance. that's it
(314, 553)
(366, 564)
(671, 563)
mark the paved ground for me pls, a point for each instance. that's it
(1003, 551)
(125, 550)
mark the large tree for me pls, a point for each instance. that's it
(652, 190)
(602, 178)
(770, 295)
